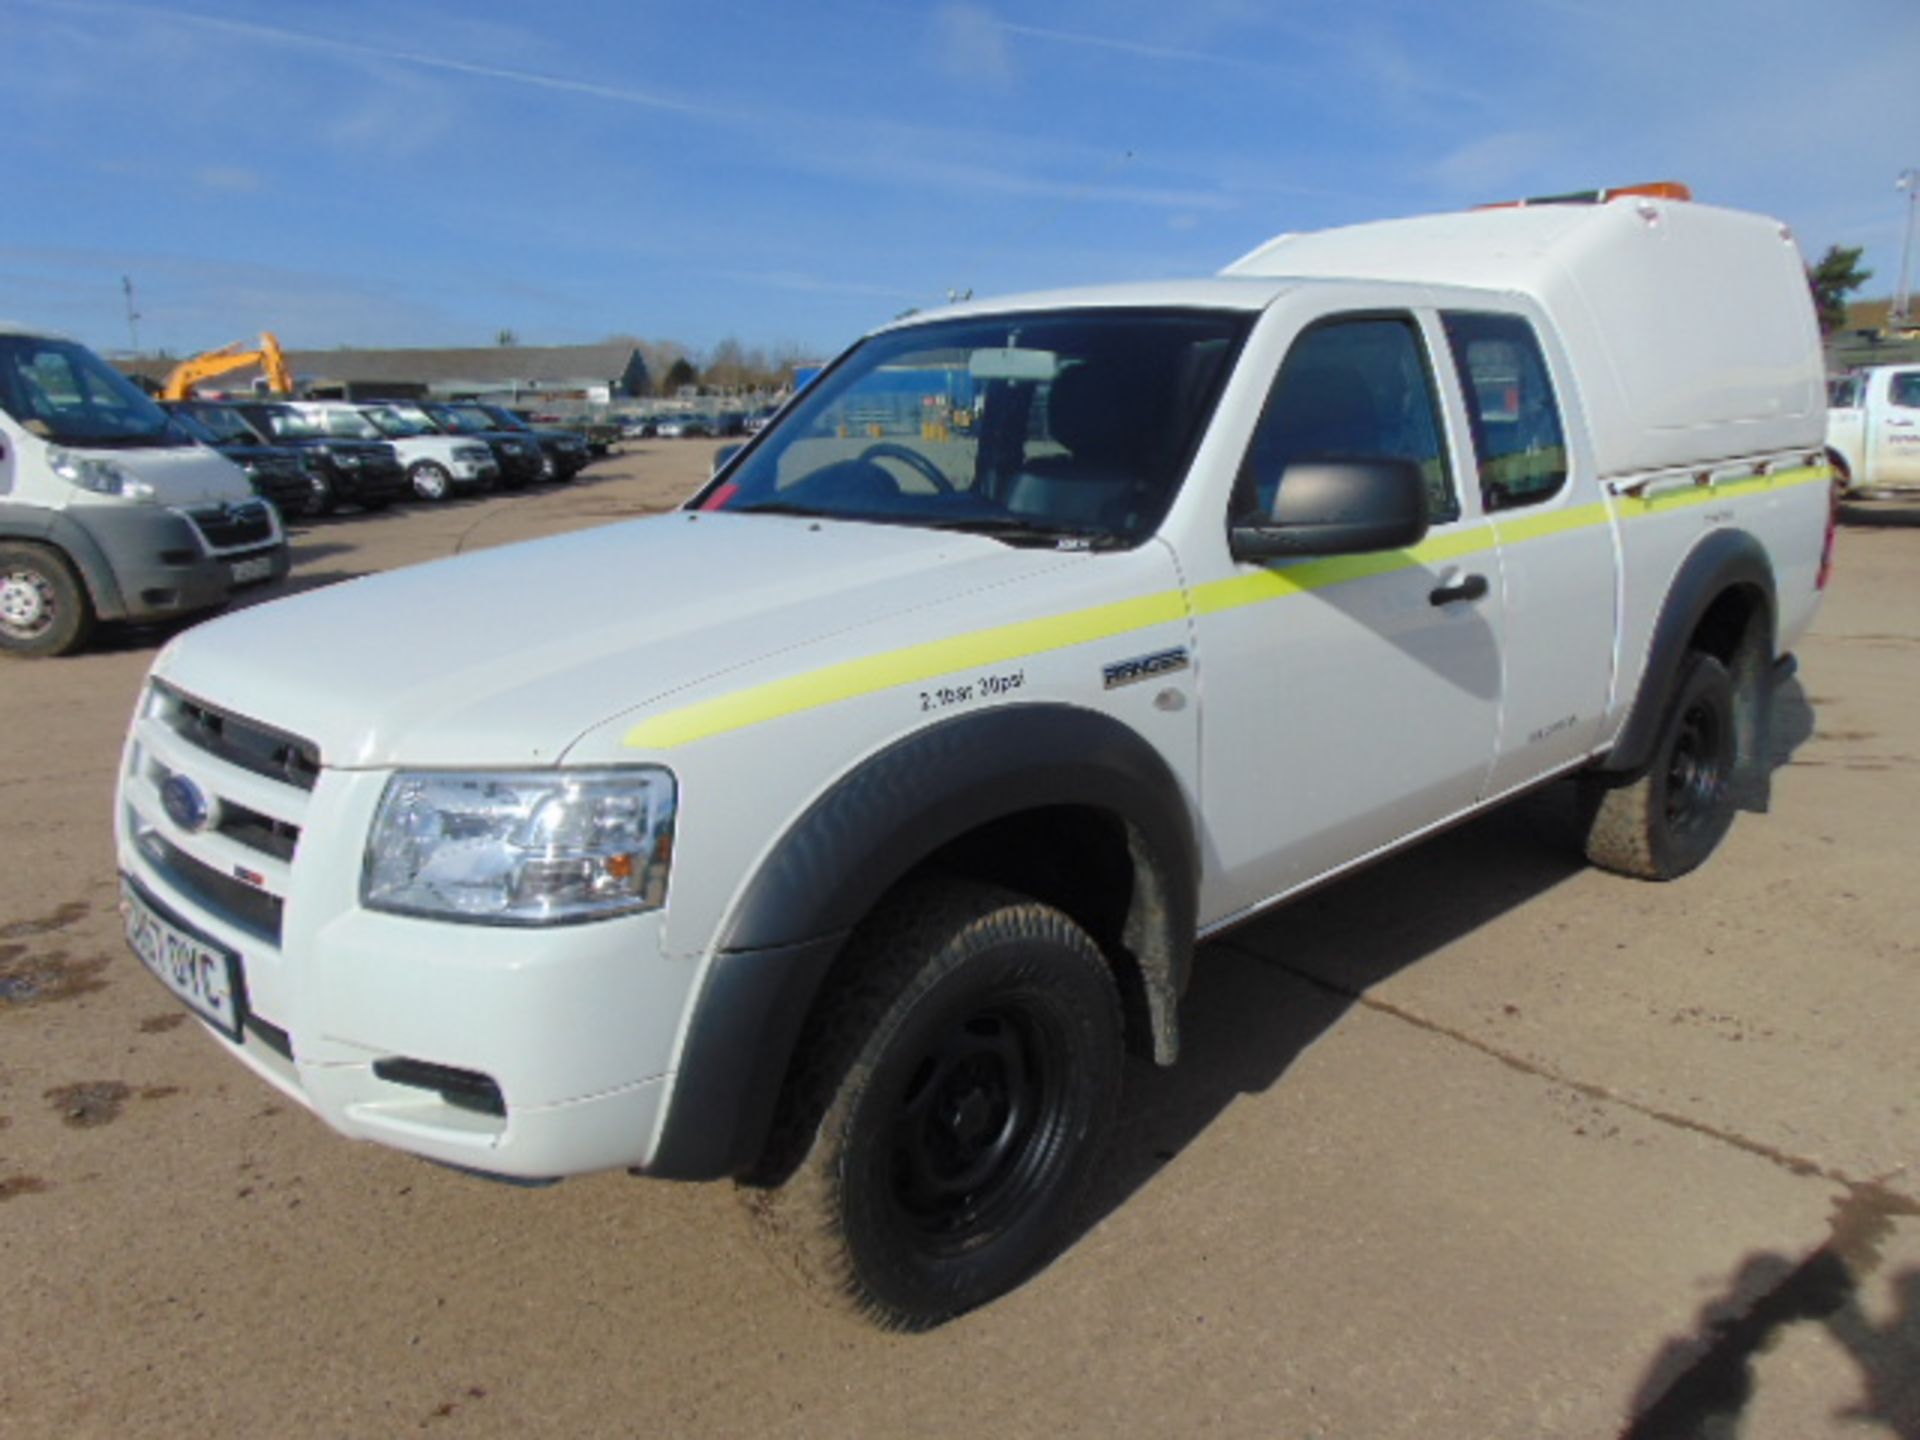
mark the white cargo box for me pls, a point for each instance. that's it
(1689, 328)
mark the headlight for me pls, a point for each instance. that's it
(103, 477)
(522, 848)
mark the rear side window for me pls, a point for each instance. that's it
(1350, 389)
(1517, 435)
(1905, 390)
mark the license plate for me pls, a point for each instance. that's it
(203, 974)
(245, 572)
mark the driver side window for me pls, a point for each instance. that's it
(1349, 389)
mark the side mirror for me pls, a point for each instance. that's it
(724, 455)
(1338, 507)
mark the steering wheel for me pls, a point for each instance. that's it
(912, 459)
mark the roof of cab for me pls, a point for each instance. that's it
(1212, 293)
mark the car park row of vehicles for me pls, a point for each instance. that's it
(114, 506)
(370, 454)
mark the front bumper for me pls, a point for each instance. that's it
(167, 563)
(530, 1053)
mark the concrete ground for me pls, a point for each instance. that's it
(1480, 1143)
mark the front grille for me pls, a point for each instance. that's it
(239, 904)
(240, 741)
(229, 527)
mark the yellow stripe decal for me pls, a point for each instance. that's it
(911, 664)
(852, 678)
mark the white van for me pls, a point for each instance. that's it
(108, 510)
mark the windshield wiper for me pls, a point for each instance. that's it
(785, 507)
(1015, 530)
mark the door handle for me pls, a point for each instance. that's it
(1470, 587)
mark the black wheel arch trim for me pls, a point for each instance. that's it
(1723, 561)
(854, 843)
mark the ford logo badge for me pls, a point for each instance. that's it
(186, 803)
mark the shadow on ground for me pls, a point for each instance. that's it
(1264, 993)
(1701, 1385)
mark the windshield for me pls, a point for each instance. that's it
(65, 393)
(397, 426)
(285, 424)
(503, 419)
(461, 419)
(1056, 427)
(224, 424)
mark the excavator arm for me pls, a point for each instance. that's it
(224, 361)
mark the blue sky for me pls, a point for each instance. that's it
(397, 173)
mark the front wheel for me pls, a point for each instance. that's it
(44, 609)
(956, 1094)
(430, 481)
(1665, 821)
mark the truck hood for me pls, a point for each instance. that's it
(507, 656)
(185, 476)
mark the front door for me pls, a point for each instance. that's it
(1348, 700)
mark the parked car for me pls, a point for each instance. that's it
(564, 453)
(277, 472)
(683, 427)
(436, 465)
(637, 427)
(517, 453)
(757, 421)
(1873, 429)
(340, 470)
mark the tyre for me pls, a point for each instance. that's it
(1665, 821)
(954, 1098)
(44, 608)
(321, 496)
(430, 481)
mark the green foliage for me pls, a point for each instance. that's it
(681, 373)
(1832, 279)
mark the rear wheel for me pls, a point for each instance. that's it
(957, 1094)
(1662, 823)
(44, 609)
(430, 481)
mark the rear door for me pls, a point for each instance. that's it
(1558, 567)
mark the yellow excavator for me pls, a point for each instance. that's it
(224, 361)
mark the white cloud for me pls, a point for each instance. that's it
(1490, 166)
(228, 177)
(972, 45)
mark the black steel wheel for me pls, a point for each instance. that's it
(956, 1095)
(1665, 821)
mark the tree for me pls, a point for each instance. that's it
(506, 337)
(1837, 275)
(680, 374)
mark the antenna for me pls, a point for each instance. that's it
(133, 315)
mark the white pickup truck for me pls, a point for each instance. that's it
(839, 832)
(1873, 428)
